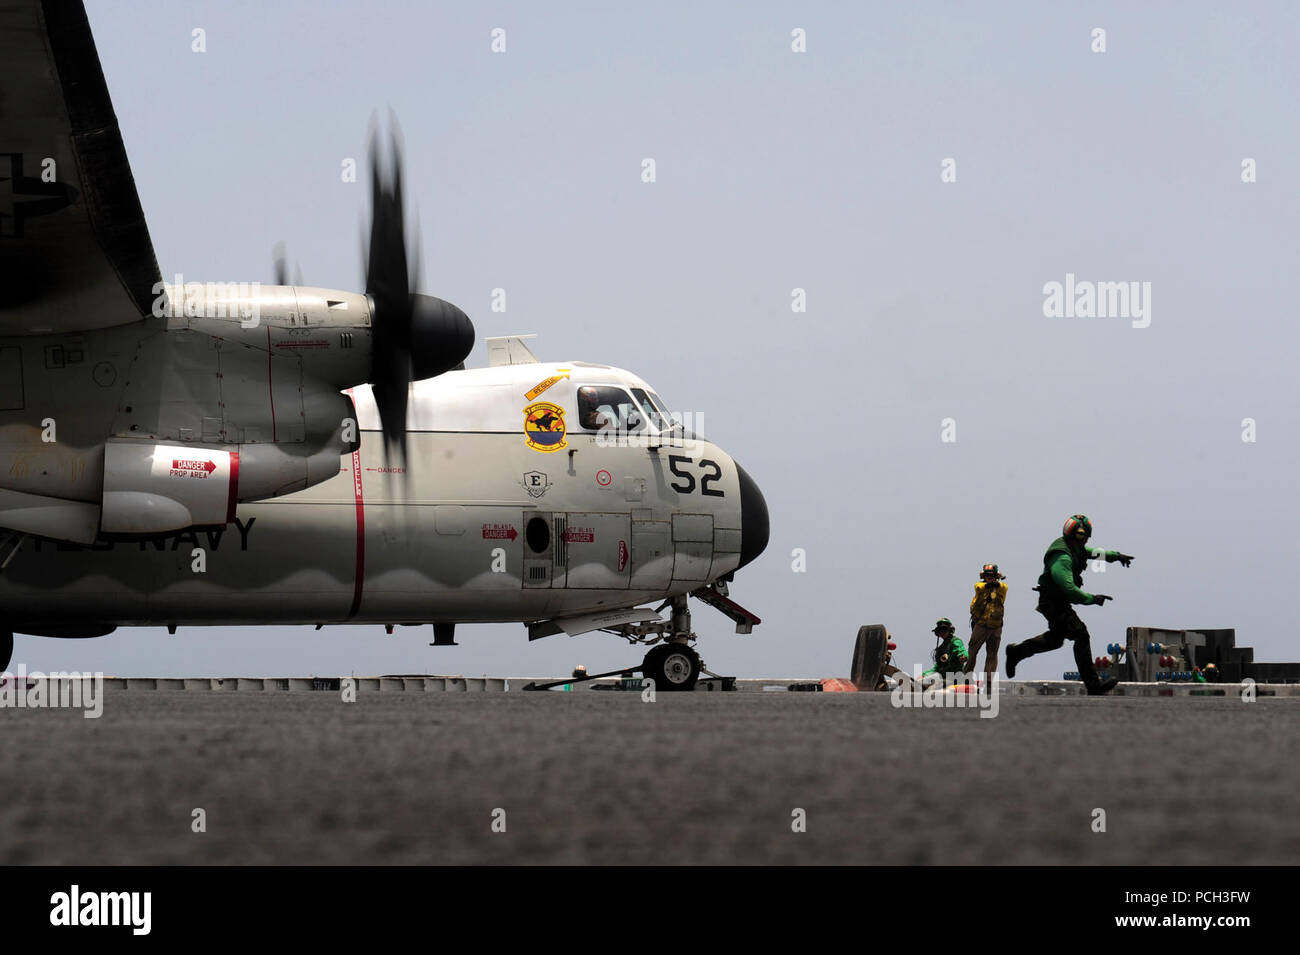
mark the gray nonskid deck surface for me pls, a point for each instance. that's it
(604, 777)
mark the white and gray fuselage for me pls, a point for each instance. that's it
(490, 517)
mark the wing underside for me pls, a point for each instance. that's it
(75, 252)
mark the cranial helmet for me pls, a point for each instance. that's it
(1077, 527)
(990, 572)
(943, 624)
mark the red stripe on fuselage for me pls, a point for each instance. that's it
(232, 495)
(357, 490)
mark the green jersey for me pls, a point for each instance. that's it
(1063, 564)
(949, 657)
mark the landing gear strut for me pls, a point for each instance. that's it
(9, 547)
(673, 665)
(670, 662)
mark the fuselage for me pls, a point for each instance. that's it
(527, 492)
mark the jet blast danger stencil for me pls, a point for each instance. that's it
(544, 426)
(499, 532)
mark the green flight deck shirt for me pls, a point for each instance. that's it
(956, 661)
(1063, 565)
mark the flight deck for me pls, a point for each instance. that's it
(472, 775)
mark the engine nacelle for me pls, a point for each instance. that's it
(154, 488)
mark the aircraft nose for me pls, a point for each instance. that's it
(753, 518)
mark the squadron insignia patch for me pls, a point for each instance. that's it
(544, 426)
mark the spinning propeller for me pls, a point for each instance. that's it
(414, 336)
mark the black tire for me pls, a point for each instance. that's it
(674, 667)
(869, 656)
(6, 648)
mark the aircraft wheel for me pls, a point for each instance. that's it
(6, 648)
(673, 667)
(869, 656)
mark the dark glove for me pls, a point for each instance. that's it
(1099, 600)
(1124, 559)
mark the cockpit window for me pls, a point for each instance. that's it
(661, 418)
(604, 408)
(654, 410)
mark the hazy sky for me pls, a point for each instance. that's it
(779, 170)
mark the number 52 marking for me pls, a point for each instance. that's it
(687, 483)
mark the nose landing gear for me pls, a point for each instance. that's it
(672, 666)
(671, 662)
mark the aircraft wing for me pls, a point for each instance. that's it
(75, 252)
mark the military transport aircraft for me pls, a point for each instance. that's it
(322, 455)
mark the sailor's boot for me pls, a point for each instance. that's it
(1017, 652)
(1088, 672)
(1013, 657)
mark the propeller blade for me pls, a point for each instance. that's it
(389, 290)
(413, 336)
(281, 266)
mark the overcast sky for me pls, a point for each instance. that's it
(779, 170)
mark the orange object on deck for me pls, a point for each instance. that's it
(836, 685)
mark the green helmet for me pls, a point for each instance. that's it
(1077, 527)
(943, 623)
(990, 572)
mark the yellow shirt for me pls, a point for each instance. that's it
(989, 603)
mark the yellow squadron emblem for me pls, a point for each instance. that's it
(544, 426)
